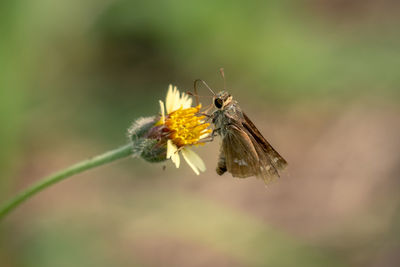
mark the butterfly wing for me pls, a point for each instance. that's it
(245, 152)
(278, 162)
(238, 153)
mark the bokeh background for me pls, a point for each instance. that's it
(320, 78)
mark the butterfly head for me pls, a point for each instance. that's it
(222, 99)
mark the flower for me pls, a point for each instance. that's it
(184, 127)
(179, 127)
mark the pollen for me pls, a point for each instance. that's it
(186, 126)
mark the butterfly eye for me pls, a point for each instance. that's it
(218, 102)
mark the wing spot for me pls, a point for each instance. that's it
(240, 162)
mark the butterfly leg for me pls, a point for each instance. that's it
(205, 114)
(211, 137)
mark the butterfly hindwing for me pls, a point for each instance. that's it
(240, 154)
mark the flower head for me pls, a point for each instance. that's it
(184, 127)
(179, 127)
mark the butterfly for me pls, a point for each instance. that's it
(244, 151)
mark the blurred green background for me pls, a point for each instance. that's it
(318, 77)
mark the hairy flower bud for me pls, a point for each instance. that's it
(146, 141)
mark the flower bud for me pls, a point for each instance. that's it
(147, 141)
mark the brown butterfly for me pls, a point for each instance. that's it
(244, 151)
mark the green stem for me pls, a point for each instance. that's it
(79, 167)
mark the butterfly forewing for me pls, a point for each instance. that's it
(276, 160)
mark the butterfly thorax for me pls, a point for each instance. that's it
(223, 118)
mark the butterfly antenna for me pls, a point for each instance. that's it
(195, 95)
(199, 80)
(221, 71)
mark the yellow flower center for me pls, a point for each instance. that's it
(186, 126)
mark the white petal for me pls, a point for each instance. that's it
(171, 149)
(176, 159)
(169, 99)
(194, 161)
(162, 112)
(172, 152)
(186, 101)
(176, 100)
